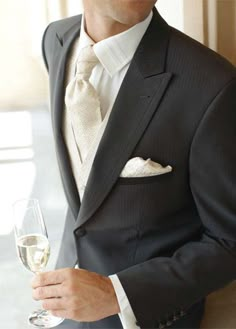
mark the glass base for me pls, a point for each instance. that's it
(44, 319)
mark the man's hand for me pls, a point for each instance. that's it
(76, 294)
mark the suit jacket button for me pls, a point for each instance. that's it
(80, 232)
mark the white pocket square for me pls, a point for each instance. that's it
(138, 167)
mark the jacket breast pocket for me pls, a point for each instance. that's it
(145, 203)
(149, 199)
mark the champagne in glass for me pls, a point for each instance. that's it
(33, 250)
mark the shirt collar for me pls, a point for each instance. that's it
(117, 51)
(84, 39)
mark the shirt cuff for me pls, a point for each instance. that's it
(126, 314)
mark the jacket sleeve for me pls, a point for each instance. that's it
(161, 287)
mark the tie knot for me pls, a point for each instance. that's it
(85, 63)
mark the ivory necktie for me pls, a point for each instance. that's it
(83, 103)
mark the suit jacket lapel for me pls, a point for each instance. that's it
(136, 103)
(57, 76)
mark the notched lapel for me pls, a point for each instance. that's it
(59, 74)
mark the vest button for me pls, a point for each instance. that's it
(80, 232)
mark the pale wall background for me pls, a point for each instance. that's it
(23, 82)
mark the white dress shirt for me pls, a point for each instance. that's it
(114, 54)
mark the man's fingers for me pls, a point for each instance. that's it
(54, 304)
(49, 278)
(46, 278)
(53, 291)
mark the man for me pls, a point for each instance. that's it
(152, 212)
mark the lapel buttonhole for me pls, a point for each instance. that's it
(145, 96)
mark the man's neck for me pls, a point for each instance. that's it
(107, 27)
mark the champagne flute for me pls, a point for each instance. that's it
(33, 250)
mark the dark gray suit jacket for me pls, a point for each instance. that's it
(170, 238)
